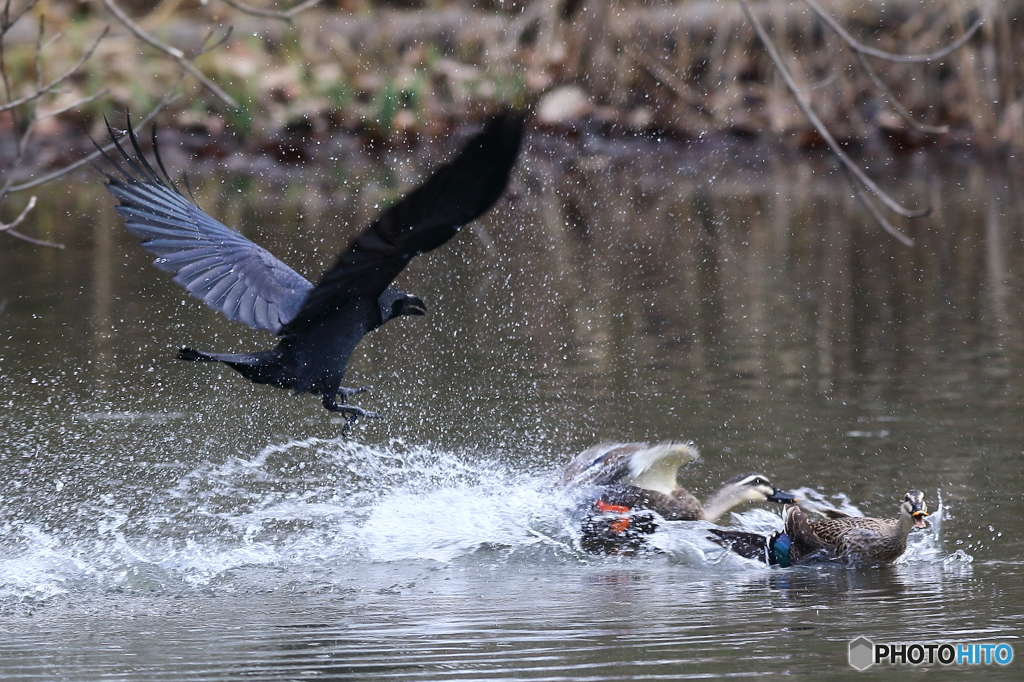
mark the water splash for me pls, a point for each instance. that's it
(301, 508)
(299, 505)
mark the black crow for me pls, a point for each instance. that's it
(319, 326)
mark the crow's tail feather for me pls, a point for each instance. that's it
(194, 356)
(230, 358)
(263, 367)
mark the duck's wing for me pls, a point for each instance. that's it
(215, 264)
(429, 216)
(834, 513)
(868, 537)
(748, 545)
(803, 534)
(652, 467)
(655, 468)
(602, 464)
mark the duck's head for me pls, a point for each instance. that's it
(749, 487)
(914, 506)
(755, 488)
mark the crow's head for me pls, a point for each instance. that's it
(394, 303)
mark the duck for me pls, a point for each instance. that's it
(636, 480)
(839, 537)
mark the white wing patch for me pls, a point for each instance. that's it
(655, 468)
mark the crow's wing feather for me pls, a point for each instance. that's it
(214, 263)
(430, 215)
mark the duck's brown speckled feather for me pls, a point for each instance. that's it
(848, 537)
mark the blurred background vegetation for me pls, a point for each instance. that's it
(282, 78)
(690, 67)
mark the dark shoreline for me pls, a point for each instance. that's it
(288, 151)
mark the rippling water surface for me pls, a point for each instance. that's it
(161, 520)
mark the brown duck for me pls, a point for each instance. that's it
(638, 477)
(839, 537)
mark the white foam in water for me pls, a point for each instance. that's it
(300, 504)
(446, 523)
(312, 505)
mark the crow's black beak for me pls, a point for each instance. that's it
(414, 306)
(781, 496)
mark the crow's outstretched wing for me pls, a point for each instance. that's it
(430, 215)
(216, 264)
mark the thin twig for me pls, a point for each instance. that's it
(21, 216)
(823, 83)
(875, 213)
(52, 39)
(33, 240)
(60, 79)
(30, 118)
(173, 52)
(889, 97)
(891, 56)
(6, 23)
(861, 176)
(286, 15)
(171, 95)
(9, 228)
(74, 105)
(217, 43)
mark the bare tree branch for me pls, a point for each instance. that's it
(29, 126)
(173, 52)
(891, 56)
(74, 105)
(56, 82)
(889, 97)
(8, 228)
(33, 240)
(820, 127)
(6, 22)
(286, 15)
(865, 200)
(26, 111)
(172, 94)
(21, 216)
(215, 44)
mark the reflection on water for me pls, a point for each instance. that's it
(161, 520)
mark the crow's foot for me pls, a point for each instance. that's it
(349, 392)
(351, 412)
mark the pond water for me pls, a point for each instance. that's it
(164, 520)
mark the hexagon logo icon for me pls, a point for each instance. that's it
(862, 653)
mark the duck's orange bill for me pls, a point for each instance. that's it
(919, 518)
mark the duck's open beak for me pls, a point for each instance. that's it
(781, 496)
(919, 517)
